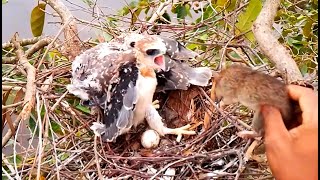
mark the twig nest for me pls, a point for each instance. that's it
(150, 139)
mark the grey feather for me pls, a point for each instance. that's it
(125, 116)
(131, 97)
(198, 76)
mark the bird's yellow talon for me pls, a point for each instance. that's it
(155, 104)
(180, 131)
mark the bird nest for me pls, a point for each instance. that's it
(61, 144)
(62, 139)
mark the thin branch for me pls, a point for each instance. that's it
(34, 48)
(11, 105)
(52, 42)
(97, 158)
(24, 42)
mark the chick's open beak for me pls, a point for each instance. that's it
(160, 62)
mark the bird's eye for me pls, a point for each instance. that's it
(132, 44)
(152, 52)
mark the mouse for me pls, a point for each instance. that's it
(253, 89)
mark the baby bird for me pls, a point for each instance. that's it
(254, 89)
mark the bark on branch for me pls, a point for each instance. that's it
(269, 45)
(29, 98)
(41, 42)
(73, 44)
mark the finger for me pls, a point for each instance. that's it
(275, 130)
(303, 95)
(296, 92)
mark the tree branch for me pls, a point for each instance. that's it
(24, 42)
(269, 45)
(34, 48)
(29, 98)
(73, 45)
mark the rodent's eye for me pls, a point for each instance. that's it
(152, 52)
(132, 44)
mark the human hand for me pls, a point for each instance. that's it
(293, 154)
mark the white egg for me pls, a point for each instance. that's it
(150, 139)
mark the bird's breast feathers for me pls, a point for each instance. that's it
(146, 86)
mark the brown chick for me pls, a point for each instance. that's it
(254, 89)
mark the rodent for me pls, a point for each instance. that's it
(253, 89)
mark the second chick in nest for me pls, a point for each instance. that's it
(254, 89)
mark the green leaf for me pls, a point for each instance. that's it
(166, 16)
(37, 19)
(64, 156)
(188, 10)
(304, 69)
(124, 11)
(4, 1)
(247, 17)
(192, 46)
(307, 29)
(208, 12)
(181, 11)
(56, 128)
(83, 109)
(19, 159)
(228, 4)
(135, 15)
(204, 37)
(143, 4)
(32, 125)
(297, 44)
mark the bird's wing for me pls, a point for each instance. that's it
(118, 107)
(88, 66)
(173, 77)
(106, 76)
(179, 75)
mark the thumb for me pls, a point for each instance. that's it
(275, 130)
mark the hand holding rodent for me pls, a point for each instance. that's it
(293, 154)
(254, 89)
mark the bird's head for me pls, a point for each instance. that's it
(150, 52)
(130, 39)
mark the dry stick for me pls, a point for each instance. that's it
(212, 157)
(29, 98)
(9, 166)
(220, 111)
(269, 45)
(11, 105)
(222, 64)
(159, 12)
(97, 158)
(206, 121)
(58, 101)
(23, 42)
(40, 147)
